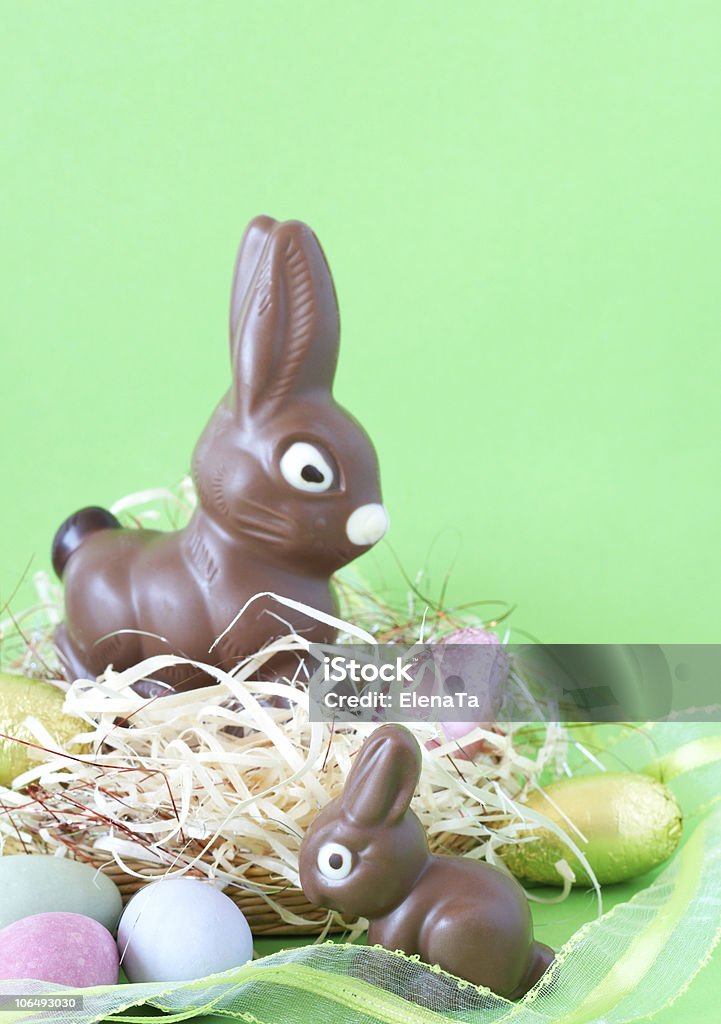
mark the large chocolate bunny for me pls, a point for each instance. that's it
(287, 483)
(366, 855)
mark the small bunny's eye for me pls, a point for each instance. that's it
(307, 467)
(334, 861)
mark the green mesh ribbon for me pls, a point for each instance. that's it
(628, 964)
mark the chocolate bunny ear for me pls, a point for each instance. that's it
(383, 779)
(246, 263)
(287, 333)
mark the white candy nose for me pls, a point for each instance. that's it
(367, 525)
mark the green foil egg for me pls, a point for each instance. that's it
(630, 824)
(20, 698)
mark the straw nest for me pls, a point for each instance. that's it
(220, 783)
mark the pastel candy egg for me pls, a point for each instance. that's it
(38, 884)
(65, 948)
(180, 929)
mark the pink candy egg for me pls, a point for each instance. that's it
(68, 949)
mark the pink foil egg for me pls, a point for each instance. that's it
(457, 730)
(69, 949)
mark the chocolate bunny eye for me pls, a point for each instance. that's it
(334, 861)
(307, 467)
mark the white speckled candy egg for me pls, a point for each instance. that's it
(69, 949)
(39, 884)
(180, 929)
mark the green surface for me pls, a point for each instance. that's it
(521, 206)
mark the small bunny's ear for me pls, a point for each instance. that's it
(287, 335)
(383, 778)
(246, 263)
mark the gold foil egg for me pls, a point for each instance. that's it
(628, 824)
(22, 698)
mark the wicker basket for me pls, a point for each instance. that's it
(261, 917)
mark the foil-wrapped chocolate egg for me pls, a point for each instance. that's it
(629, 823)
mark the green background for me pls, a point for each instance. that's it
(520, 203)
(521, 206)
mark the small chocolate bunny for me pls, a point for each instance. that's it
(366, 855)
(288, 492)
